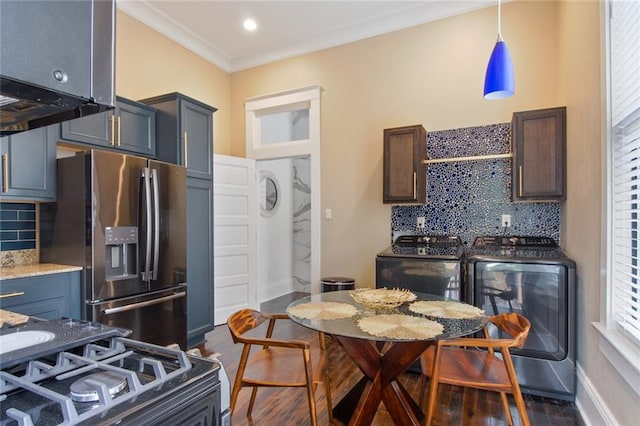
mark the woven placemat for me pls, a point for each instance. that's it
(398, 326)
(322, 310)
(445, 309)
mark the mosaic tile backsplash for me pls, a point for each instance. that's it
(468, 198)
(17, 226)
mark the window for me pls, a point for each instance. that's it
(624, 89)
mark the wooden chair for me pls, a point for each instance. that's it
(465, 362)
(278, 363)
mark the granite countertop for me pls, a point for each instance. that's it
(35, 269)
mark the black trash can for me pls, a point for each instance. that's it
(337, 283)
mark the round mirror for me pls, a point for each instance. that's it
(269, 194)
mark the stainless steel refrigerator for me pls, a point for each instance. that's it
(123, 219)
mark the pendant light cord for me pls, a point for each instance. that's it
(499, 22)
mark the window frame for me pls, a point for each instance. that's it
(615, 344)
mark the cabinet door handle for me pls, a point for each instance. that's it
(5, 173)
(520, 181)
(118, 131)
(185, 137)
(112, 119)
(14, 294)
(415, 185)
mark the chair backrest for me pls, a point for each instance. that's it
(514, 325)
(242, 321)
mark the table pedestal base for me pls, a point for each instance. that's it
(380, 384)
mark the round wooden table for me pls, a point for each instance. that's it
(380, 359)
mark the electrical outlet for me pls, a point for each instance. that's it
(420, 222)
(506, 221)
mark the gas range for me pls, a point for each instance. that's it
(103, 378)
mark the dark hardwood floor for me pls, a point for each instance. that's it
(455, 406)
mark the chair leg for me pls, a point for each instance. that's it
(522, 410)
(433, 386)
(237, 384)
(507, 410)
(252, 400)
(515, 388)
(327, 391)
(311, 399)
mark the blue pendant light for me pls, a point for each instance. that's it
(499, 81)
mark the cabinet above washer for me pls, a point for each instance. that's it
(539, 140)
(405, 174)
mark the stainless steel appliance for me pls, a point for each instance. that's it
(423, 263)
(89, 373)
(56, 61)
(123, 219)
(531, 276)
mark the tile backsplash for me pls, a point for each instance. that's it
(17, 226)
(468, 198)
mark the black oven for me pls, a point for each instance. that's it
(531, 276)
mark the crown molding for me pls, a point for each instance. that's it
(422, 13)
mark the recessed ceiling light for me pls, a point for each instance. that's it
(250, 24)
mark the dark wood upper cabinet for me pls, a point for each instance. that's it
(405, 174)
(539, 155)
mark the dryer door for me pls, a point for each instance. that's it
(537, 291)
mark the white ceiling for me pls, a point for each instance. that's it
(213, 28)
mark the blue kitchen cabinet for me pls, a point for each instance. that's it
(29, 165)
(48, 296)
(199, 259)
(185, 133)
(130, 127)
(185, 137)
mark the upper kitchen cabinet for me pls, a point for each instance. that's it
(29, 165)
(538, 170)
(130, 127)
(185, 133)
(405, 174)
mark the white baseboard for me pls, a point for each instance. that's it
(275, 289)
(592, 408)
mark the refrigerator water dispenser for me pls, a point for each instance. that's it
(121, 252)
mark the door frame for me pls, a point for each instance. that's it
(288, 101)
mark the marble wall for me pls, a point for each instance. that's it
(468, 198)
(302, 223)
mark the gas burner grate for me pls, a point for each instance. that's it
(112, 357)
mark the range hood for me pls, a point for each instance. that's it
(56, 61)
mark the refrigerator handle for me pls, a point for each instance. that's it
(156, 224)
(139, 305)
(147, 189)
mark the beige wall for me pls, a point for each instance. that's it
(431, 74)
(149, 64)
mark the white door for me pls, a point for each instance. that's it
(234, 236)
